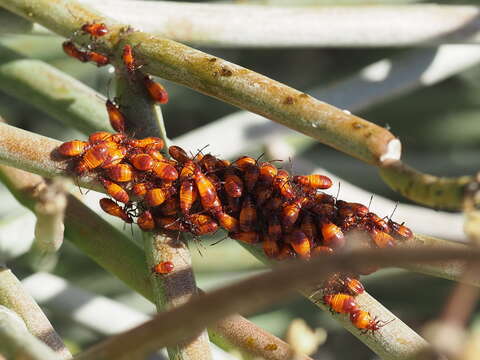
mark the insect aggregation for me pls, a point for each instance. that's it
(255, 202)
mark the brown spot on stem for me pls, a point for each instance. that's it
(212, 59)
(250, 341)
(303, 95)
(225, 72)
(357, 125)
(270, 347)
(367, 135)
(288, 100)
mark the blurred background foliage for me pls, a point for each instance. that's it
(439, 127)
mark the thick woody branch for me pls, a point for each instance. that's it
(226, 81)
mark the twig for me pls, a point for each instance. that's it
(107, 246)
(433, 191)
(226, 81)
(98, 313)
(144, 118)
(17, 343)
(14, 297)
(228, 25)
(264, 289)
(50, 211)
(59, 95)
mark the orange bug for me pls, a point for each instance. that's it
(267, 172)
(341, 303)
(248, 215)
(351, 209)
(291, 212)
(202, 224)
(113, 209)
(314, 181)
(93, 158)
(164, 171)
(178, 154)
(249, 237)
(188, 195)
(400, 231)
(353, 286)
(156, 91)
(274, 228)
(206, 190)
(244, 162)
(209, 162)
(300, 243)
(188, 170)
(363, 320)
(129, 59)
(145, 221)
(332, 235)
(117, 119)
(97, 58)
(115, 155)
(373, 221)
(233, 184)
(140, 189)
(324, 210)
(155, 154)
(95, 29)
(72, 148)
(282, 183)
(151, 141)
(143, 162)
(226, 221)
(71, 50)
(163, 268)
(120, 172)
(116, 191)
(99, 136)
(157, 196)
(270, 247)
(382, 239)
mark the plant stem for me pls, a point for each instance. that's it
(256, 292)
(14, 297)
(226, 81)
(144, 118)
(17, 343)
(429, 190)
(59, 95)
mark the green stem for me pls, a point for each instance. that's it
(52, 91)
(17, 343)
(14, 297)
(224, 80)
(144, 118)
(436, 192)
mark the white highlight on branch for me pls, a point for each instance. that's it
(230, 25)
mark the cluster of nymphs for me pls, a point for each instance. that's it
(255, 202)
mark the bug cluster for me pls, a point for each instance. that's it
(255, 202)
